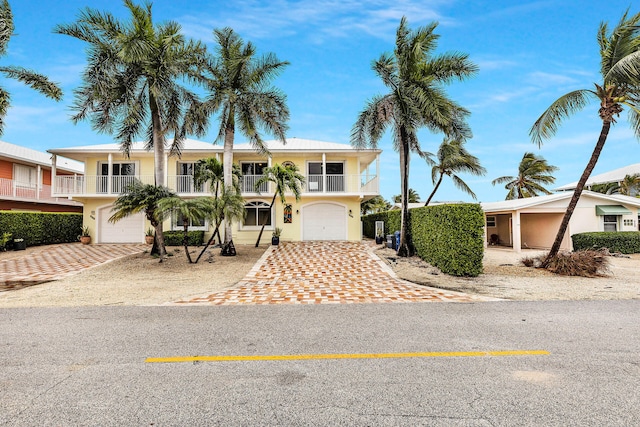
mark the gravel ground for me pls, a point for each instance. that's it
(506, 277)
(142, 280)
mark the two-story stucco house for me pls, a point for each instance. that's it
(338, 179)
(25, 180)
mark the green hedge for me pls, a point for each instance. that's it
(175, 238)
(450, 237)
(626, 242)
(41, 228)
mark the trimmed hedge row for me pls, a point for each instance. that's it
(175, 238)
(450, 237)
(41, 228)
(626, 242)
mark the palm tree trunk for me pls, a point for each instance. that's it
(211, 239)
(265, 221)
(434, 190)
(185, 240)
(606, 125)
(404, 250)
(227, 164)
(159, 167)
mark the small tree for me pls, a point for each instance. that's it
(187, 210)
(228, 205)
(453, 158)
(284, 178)
(533, 174)
(413, 197)
(139, 197)
(375, 205)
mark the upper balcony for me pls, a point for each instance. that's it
(14, 190)
(183, 185)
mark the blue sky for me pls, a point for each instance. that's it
(529, 53)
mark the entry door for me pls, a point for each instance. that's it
(324, 221)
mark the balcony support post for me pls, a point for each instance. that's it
(54, 171)
(324, 172)
(109, 172)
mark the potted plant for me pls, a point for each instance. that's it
(275, 237)
(148, 236)
(379, 237)
(85, 237)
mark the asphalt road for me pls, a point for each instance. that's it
(87, 366)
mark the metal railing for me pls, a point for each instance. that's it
(183, 184)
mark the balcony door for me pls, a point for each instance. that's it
(251, 173)
(184, 180)
(334, 177)
(122, 174)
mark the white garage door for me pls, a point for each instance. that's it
(127, 230)
(324, 221)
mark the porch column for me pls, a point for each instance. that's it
(109, 172)
(515, 231)
(378, 173)
(38, 181)
(324, 172)
(270, 185)
(54, 168)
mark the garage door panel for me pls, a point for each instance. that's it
(324, 221)
(127, 230)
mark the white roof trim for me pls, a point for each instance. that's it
(616, 175)
(528, 202)
(30, 156)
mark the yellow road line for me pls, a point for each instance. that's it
(181, 359)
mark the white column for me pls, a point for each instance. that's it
(324, 172)
(378, 173)
(109, 172)
(515, 230)
(38, 181)
(358, 179)
(54, 171)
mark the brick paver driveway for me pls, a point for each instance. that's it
(53, 262)
(324, 273)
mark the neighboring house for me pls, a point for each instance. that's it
(25, 180)
(533, 222)
(615, 176)
(338, 179)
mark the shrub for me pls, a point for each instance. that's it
(626, 242)
(175, 238)
(41, 228)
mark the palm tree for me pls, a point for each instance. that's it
(629, 184)
(188, 210)
(284, 178)
(227, 205)
(139, 197)
(239, 91)
(605, 188)
(36, 81)
(375, 205)
(620, 86)
(131, 82)
(413, 197)
(533, 174)
(211, 171)
(416, 98)
(454, 158)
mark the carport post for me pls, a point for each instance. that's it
(515, 231)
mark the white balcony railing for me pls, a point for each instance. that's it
(183, 184)
(14, 190)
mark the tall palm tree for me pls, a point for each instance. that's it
(412, 197)
(238, 82)
(605, 188)
(131, 85)
(36, 81)
(453, 158)
(620, 86)
(284, 178)
(139, 197)
(415, 78)
(188, 210)
(533, 174)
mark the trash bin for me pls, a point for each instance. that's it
(19, 245)
(390, 241)
(396, 240)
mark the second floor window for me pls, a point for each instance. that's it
(184, 180)
(334, 177)
(251, 173)
(122, 174)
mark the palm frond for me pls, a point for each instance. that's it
(547, 124)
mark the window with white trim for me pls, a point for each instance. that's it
(257, 213)
(491, 221)
(177, 223)
(610, 222)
